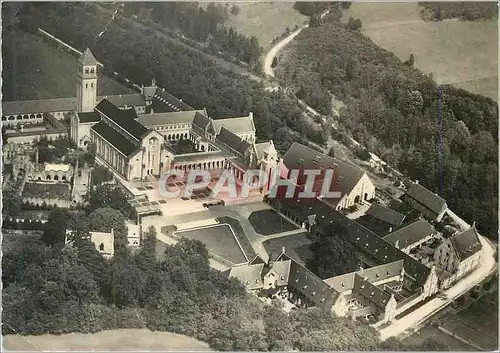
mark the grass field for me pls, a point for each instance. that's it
(464, 54)
(265, 20)
(114, 340)
(268, 222)
(219, 240)
(35, 69)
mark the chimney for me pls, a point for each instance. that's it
(416, 181)
(153, 82)
(250, 115)
(282, 249)
(390, 229)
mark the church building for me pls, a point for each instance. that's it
(140, 145)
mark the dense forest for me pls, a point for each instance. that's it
(457, 9)
(202, 24)
(443, 136)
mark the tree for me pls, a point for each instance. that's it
(54, 232)
(354, 24)
(107, 218)
(12, 204)
(235, 10)
(333, 253)
(100, 175)
(410, 61)
(275, 62)
(345, 4)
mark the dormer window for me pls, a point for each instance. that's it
(377, 275)
(313, 293)
(305, 287)
(371, 294)
(282, 278)
(322, 300)
(297, 280)
(86, 70)
(257, 280)
(91, 70)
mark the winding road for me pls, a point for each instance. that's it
(268, 60)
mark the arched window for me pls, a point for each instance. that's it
(86, 70)
(101, 247)
(91, 85)
(91, 70)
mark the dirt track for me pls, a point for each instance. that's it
(114, 340)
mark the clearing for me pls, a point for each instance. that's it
(113, 340)
(265, 21)
(456, 52)
(35, 69)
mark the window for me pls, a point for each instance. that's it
(86, 70)
(86, 85)
(91, 70)
(101, 247)
(92, 85)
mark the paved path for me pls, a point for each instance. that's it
(420, 315)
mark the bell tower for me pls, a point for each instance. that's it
(86, 90)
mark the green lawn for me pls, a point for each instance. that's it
(35, 69)
(461, 53)
(265, 21)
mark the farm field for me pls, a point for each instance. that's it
(464, 54)
(113, 340)
(35, 69)
(265, 21)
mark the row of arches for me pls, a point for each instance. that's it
(204, 165)
(22, 117)
(174, 137)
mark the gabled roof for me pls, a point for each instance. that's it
(299, 156)
(201, 120)
(426, 197)
(385, 214)
(117, 140)
(235, 125)
(384, 252)
(264, 147)
(341, 283)
(249, 275)
(49, 167)
(371, 292)
(87, 58)
(89, 117)
(374, 274)
(156, 119)
(410, 234)
(233, 141)
(310, 285)
(149, 92)
(122, 119)
(122, 100)
(279, 272)
(348, 176)
(466, 243)
(38, 106)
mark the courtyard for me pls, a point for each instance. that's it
(220, 241)
(268, 222)
(47, 191)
